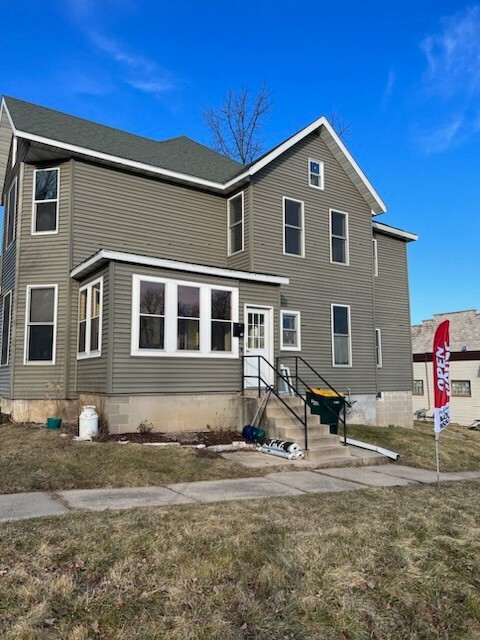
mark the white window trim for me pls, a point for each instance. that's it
(13, 186)
(302, 240)
(297, 314)
(242, 222)
(345, 306)
(35, 202)
(423, 387)
(378, 349)
(347, 238)
(14, 150)
(9, 293)
(27, 315)
(375, 257)
(88, 327)
(321, 187)
(171, 317)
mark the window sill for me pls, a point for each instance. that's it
(282, 348)
(236, 253)
(342, 366)
(45, 233)
(186, 354)
(341, 264)
(88, 356)
(39, 363)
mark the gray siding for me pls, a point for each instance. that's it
(43, 260)
(392, 315)
(116, 210)
(136, 374)
(92, 372)
(315, 283)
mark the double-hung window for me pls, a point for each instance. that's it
(293, 227)
(10, 214)
(315, 174)
(41, 324)
(45, 203)
(90, 319)
(461, 388)
(6, 323)
(291, 339)
(235, 209)
(341, 336)
(378, 348)
(179, 318)
(339, 237)
(418, 387)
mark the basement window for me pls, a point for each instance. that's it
(45, 204)
(90, 320)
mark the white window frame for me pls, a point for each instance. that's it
(298, 325)
(171, 317)
(345, 306)
(461, 395)
(302, 235)
(41, 363)
(375, 256)
(35, 202)
(378, 348)
(88, 353)
(321, 164)
(347, 238)
(423, 387)
(6, 221)
(14, 150)
(5, 364)
(230, 225)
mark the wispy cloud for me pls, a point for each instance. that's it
(387, 92)
(452, 75)
(140, 72)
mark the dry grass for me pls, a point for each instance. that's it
(377, 564)
(459, 447)
(35, 459)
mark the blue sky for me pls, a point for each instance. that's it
(404, 75)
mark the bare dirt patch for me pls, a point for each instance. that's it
(207, 438)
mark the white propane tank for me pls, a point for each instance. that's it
(88, 423)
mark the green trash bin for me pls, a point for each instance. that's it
(328, 408)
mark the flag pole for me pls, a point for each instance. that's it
(437, 438)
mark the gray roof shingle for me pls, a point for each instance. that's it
(176, 154)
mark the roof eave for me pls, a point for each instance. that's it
(407, 236)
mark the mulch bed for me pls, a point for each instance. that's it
(207, 438)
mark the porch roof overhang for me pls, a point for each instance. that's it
(407, 236)
(105, 256)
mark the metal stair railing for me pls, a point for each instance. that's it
(268, 386)
(343, 417)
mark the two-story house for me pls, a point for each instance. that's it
(128, 264)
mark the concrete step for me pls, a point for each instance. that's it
(297, 435)
(325, 453)
(290, 421)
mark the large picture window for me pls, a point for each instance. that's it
(341, 336)
(339, 237)
(235, 209)
(90, 319)
(41, 324)
(178, 318)
(10, 214)
(293, 227)
(45, 202)
(6, 324)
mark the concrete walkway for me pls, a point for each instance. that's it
(20, 506)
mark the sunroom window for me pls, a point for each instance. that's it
(90, 319)
(188, 330)
(221, 306)
(152, 315)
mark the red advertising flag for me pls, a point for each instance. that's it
(441, 375)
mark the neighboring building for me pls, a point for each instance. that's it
(128, 262)
(464, 365)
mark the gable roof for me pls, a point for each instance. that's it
(178, 158)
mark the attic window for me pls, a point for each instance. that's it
(45, 204)
(315, 174)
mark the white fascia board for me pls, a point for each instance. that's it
(3, 107)
(392, 231)
(162, 263)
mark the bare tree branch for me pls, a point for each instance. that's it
(236, 126)
(341, 126)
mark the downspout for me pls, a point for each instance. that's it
(426, 382)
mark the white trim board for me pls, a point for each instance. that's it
(337, 147)
(393, 231)
(162, 263)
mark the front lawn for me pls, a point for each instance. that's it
(35, 459)
(459, 447)
(378, 564)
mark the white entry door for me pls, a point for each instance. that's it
(258, 342)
